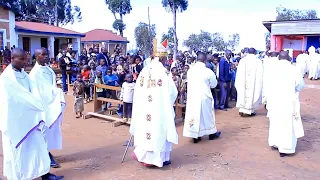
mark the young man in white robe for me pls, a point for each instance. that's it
(268, 65)
(25, 153)
(301, 62)
(313, 65)
(249, 84)
(200, 117)
(153, 125)
(52, 99)
(285, 124)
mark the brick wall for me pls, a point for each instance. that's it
(4, 13)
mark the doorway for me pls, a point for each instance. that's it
(56, 47)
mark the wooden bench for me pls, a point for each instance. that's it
(97, 106)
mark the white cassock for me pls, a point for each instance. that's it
(152, 124)
(284, 108)
(249, 84)
(200, 118)
(53, 101)
(268, 65)
(314, 63)
(301, 63)
(146, 62)
(25, 154)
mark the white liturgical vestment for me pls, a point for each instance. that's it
(284, 108)
(152, 124)
(314, 63)
(25, 154)
(53, 102)
(268, 65)
(301, 63)
(200, 117)
(249, 84)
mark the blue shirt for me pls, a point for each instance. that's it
(210, 65)
(110, 79)
(103, 69)
(225, 70)
(233, 78)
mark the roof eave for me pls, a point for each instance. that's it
(107, 41)
(267, 25)
(47, 33)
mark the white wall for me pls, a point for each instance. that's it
(12, 24)
(295, 44)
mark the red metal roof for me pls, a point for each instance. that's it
(35, 27)
(102, 35)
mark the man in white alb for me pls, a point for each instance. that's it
(25, 153)
(313, 64)
(284, 106)
(200, 117)
(268, 65)
(152, 124)
(301, 62)
(52, 99)
(249, 84)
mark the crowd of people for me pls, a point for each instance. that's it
(156, 84)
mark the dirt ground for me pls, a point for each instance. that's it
(92, 149)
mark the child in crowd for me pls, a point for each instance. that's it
(111, 80)
(233, 80)
(86, 79)
(127, 97)
(114, 69)
(99, 80)
(102, 67)
(78, 93)
(183, 89)
(175, 76)
(92, 79)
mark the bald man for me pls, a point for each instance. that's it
(284, 106)
(25, 151)
(249, 84)
(53, 100)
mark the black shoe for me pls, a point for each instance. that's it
(274, 148)
(53, 163)
(223, 109)
(166, 163)
(51, 177)
(283, 154)
(196, 140)
(214, 136)
(253, 114)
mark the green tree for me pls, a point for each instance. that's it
(219, 44)
(142, 37)
(170, 36)
(175, 6)
(233, 41)
(193, 43)
(120, 7)
(285, 14)
(268, 40)
(58, 12)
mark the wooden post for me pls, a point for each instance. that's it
(97, 104)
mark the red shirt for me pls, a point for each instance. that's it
(86, 75)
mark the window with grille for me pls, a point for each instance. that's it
(1, 41)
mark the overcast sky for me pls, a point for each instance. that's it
(230, 16)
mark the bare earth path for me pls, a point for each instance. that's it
(93, 149)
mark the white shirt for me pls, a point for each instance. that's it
(127, 92)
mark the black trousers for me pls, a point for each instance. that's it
(127, 110)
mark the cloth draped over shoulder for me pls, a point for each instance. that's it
(25, 154)
(200, 117)
(53, 101)
(51, 96)
(15, 106)
(153, 115)
(249, 82)
(285, 123)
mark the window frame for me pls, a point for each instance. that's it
(4, 38)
